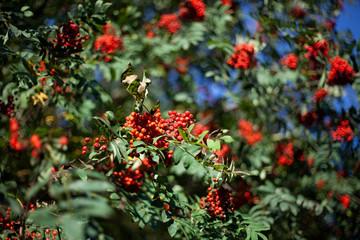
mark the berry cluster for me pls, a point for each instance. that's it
(243, 195)
(36, 142)
(108, 43)
(11, 224)
(57, 87)
(217, 202)
(226, 2)
(5, 220)
(243, 56)
(199, 128)
(289, 61)
(182, 65)
(320, 184)
(224, 154)
(318, 47)
(246, 130)
(345, 201)
(297, 12)
(343, 132)
(341, 72)
(14, 137)
(129, 180)
(108, 29)
(42, 68)
(329, 24)
(192, 10)
(96, 145)
(149, 30)
(170, 22)
(285, 154)
(68, 39)
(8, 108)
(146, 127)
(307, 118)
(320, 94)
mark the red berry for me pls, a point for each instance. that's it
(96, 145)
(97, 139)
(87, 139)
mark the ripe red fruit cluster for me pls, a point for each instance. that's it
(341, 72)
(320, 94)
(226, 2)
(343, 132)
(149, 30)
(42, 68)
(96, 145)
(217, 202)
(297, 12)
(199, 128)
(318, 47)
(170, 22)
(108, 43)
(63, 140)
(345, 201)
(129, 180)
(14, 142)
(285, 154)
(192, 10)
(12, 223)
(224, 154)
(57, 87)
(243, 195)
(146, 127)
(243, 56)
(5, 221)
(289, 61)
(68, 39)
(35, 141)
(307, 118)
(246, 130)
(320, 183)
(182, 65)
(7, 108)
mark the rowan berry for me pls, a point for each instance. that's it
(97, 139)
(87, 139)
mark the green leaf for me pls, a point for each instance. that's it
(172, 229)
(211, 144)
(111, 117)
(155, 107)
(164, 216)
(227, 139)
(104, 128)
(15, 30)
(183, 135)
(202, 135)
(115, 149)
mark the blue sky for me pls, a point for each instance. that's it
(350, 19)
